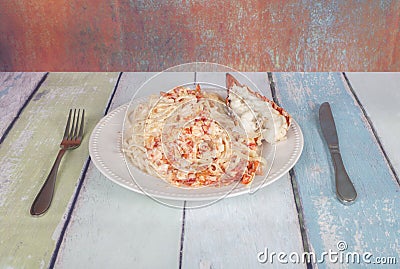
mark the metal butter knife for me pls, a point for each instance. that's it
(345, 190)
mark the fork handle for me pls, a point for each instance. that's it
(44, 197)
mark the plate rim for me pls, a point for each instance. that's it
(131, 184)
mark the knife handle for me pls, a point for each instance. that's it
(345, 190)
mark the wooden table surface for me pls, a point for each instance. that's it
(95, 223)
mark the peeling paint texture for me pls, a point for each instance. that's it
(153, 35)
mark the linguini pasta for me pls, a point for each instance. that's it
(190, 138)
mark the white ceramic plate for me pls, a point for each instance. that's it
(106, 154)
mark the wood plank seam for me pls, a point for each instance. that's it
(8, 129)
(69, 214)
(296, 195)
(369, 224)
(184, 209)
(78, 188)
(112, 94)
(182, 235)
(387, 159)
(300, 215)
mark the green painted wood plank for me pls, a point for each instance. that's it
(26, 157)
(114, 226)
(231, 232)
(15, 89)
(371, 224)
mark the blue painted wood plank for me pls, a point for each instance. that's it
(371, 224)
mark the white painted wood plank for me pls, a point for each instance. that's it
(379, 94)
(371, 224)
(113, 226)
(231, 232)
(15, 89)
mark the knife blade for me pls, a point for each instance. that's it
(345, 190)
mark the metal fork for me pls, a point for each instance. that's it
(72, 139)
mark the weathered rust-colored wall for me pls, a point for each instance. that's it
(120, 35)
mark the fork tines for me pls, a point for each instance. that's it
(74, 130)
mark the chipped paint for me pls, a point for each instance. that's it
(89, 231)
(15, 88)
(39, 95)
(4, 91)
(26, 155)
(369, 224)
